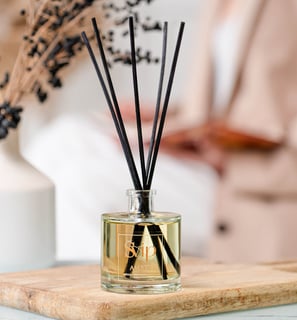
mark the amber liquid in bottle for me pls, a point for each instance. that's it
(141, 248)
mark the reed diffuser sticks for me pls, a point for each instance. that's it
(159, 98)
(161, 247)
(114, 109)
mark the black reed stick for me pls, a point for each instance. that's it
(158, 104)
(157, 231)
(136, 98)
(138, 230)
(156, 243)
(158, 140)
(130, 161)
(154, 230)
(114, 99)
(165, 105)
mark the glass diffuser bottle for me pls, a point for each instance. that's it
(140, 248)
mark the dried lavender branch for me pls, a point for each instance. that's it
(30, 57)
(51, 43)
(37, 68)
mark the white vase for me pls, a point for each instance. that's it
(27, 211)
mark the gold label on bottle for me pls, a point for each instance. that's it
(137, 254)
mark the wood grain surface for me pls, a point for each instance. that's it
(74, 293)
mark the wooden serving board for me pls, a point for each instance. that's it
(74, 293)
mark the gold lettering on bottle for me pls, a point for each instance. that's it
(143, 251)
(131, 250)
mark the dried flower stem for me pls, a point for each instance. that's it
(25, 81)
(52, 42)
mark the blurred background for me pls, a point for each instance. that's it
(231, 173)
(70, 138)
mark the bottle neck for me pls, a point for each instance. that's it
(140, 202)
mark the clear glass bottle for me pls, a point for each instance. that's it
(140, 248)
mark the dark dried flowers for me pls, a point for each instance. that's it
(53, 41)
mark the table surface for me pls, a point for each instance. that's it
(282, 312)
(279, 312)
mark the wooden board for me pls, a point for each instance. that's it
(74, 293)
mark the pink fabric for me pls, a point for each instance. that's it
(256, 212)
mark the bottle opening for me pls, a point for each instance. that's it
(140, 202)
